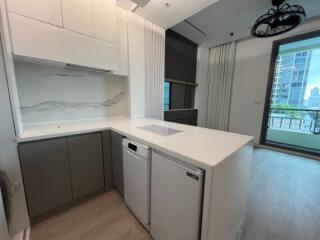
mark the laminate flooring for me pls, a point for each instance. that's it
(283, 204)
(105, 217)
(284, 198)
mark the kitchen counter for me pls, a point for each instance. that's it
(225, 157)
(201, 147)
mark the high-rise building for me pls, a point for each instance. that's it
(291, 77)
(314, 98)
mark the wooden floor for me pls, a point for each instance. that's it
(105, 217)
(284, 198)
(283, 204)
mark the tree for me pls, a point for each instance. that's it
(287, 110)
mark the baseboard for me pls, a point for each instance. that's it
(287, 151)
(24, 235)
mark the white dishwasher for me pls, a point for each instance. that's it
(176, 199)
(136, 171)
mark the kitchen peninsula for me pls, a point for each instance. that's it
(225, 157)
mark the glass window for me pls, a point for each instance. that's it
(178, 95)
(292, 119)
(166, 95)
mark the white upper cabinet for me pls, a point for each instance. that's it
(122, 34)
(79, 32)
(37, 40)
(104, 20)
(77, 16)
(48, 11)
(96, 18)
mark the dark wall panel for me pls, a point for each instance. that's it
(182, 96)
(185, 116)
(181, 57)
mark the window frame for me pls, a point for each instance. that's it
(184, 83)
(264, 127)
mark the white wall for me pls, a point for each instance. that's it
(250, 81)
(56, 94)
(7, 50)
(9, 160)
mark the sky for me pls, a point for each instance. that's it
(314, 73)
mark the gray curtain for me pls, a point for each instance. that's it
(220, 78)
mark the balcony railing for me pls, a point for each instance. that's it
(299, 120)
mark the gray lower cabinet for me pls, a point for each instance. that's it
(86, 164)
(117, 161)
(59, 171)
(46, 174)
(107, 158)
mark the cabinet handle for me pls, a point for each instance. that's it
(73, 66)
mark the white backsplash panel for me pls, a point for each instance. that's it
(58, 94)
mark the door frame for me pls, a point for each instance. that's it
(264, 126)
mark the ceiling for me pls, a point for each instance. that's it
(167, 16)
(225, 16)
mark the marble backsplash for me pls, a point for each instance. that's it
(57, 94)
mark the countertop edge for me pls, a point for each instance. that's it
(198, 163)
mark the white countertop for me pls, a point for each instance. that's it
(201, 147)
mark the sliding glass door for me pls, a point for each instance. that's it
(292, 112)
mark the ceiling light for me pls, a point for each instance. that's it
(281, 19)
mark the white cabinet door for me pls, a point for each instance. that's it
(38, 40)
(122, 34)
(77, 15)
(180, 185)
(48, 11)
(104, 20)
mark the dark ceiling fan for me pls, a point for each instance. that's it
(278, 20)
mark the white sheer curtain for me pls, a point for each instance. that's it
(202, 88)
(154, 62)
(220, 78)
